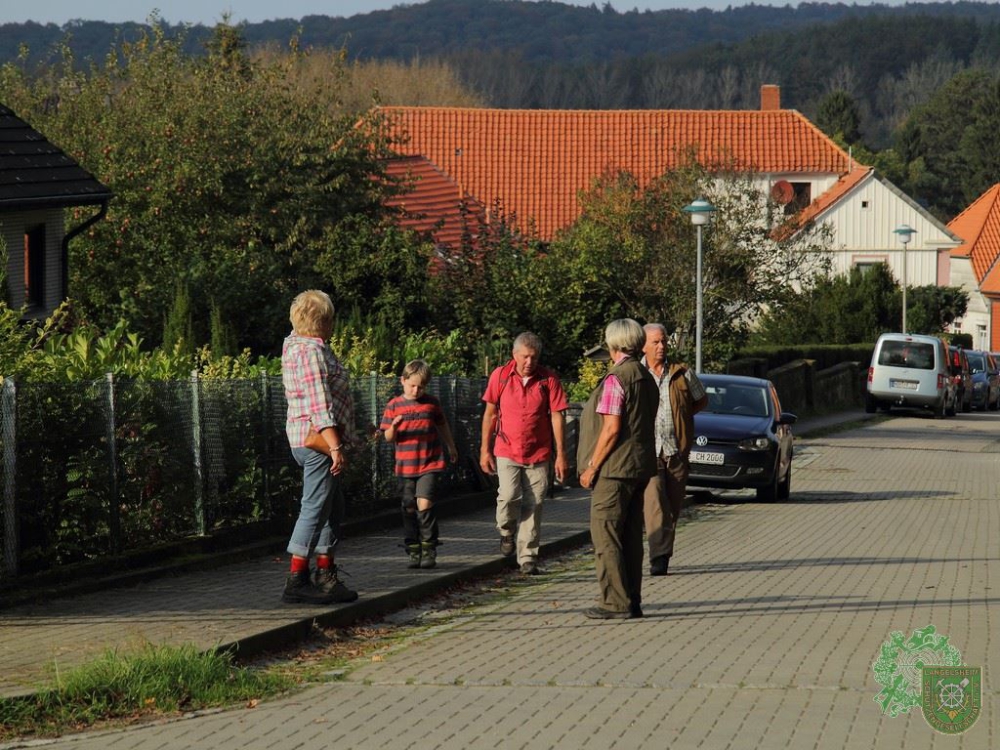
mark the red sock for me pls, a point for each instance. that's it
(299, 564)
(323, 562)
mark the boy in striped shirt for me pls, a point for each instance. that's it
(417, 425)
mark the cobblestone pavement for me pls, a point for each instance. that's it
(763, 636)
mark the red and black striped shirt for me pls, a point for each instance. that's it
(418, 444)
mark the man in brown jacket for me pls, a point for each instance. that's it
(681, 397)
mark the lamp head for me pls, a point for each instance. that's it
(905, 233)
(700, 211)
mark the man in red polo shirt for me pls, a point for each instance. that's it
(524, 416)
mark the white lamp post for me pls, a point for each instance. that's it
(905, 233)
(701, 213)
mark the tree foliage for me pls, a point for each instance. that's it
(633, 253)
(856, 307)
(227, 177)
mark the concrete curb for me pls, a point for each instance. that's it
(364, 609)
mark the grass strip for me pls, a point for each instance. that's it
(149, 680)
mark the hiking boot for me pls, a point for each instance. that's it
(507, 546)
(529, 568)
(300, 590)
(429, 554)
(413, 550)
(328, 582)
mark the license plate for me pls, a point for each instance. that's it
(700, 457)
(906, 385)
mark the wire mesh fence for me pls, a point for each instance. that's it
(95, 469)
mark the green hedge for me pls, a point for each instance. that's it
(824, 355)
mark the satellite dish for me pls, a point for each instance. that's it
(782, 192)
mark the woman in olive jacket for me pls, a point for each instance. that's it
(618, 456)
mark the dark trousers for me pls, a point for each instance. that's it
(616, 530)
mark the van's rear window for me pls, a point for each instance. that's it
(907, 354)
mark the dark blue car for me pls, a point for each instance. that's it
(985, 380)
(742, 438)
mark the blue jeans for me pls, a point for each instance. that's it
(322, 508)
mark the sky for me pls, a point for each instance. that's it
(208, 12)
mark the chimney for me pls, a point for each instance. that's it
(770, 97)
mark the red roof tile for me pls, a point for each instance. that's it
(979, 227)
(537, 161)
(434, 204)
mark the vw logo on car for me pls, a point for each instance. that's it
(701, 441)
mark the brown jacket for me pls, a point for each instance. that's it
(683, 407)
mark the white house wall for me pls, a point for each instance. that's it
(977, 317)
(863, 224)
(12, 227)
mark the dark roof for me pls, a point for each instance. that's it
(35, 174)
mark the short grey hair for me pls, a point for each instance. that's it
(650, 327)
(527, 340)
(625, 335)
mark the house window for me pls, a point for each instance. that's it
(865, 205)
(34, 266)
(867, 265)
(802, 197)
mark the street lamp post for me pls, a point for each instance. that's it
(905, 233)
(701, 212)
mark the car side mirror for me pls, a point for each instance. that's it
(787, 418)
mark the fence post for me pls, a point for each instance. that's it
(374, 417)
(8, 430)
(114, 511)
(265, 452)
(199, 479)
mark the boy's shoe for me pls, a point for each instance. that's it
(507, 546)
(529, 568)
(429, 553)
(328, 582)
(299, 589)
(413, 550)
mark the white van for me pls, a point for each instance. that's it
(910, 370)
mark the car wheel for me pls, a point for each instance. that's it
(966, 402)
(785, 488)
(770, 493)
(940, 409)
(870, 404)
(949, 409)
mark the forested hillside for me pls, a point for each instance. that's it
(911, 88)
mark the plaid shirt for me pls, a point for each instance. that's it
(317, 390)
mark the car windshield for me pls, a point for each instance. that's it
(977, 362)
(748, 400)
(907, 354)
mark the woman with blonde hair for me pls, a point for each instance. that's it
(616, 457)
(319, 400)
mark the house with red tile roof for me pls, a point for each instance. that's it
(863, 209)
(536, 163)
(975, 266)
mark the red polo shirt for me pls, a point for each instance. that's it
(524, 412)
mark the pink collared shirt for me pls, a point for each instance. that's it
(613, 396)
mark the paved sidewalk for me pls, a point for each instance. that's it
(763, 636)
(240, 603)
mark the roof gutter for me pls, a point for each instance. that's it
(64, 254)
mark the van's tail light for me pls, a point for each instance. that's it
(941, 380)
(871, 374)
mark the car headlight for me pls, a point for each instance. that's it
(755, 444)
(978, 386)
